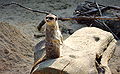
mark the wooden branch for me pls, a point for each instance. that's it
(80, 18)
(71, 18)
(114, 7)
(88, 18)
(100, 11)
(94, 11)
(105, 23)
(108, 7)
(38, 11)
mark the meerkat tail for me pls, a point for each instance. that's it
(37, 62)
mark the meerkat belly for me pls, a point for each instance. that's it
(53, 44)
(53, 35)
(54, 39)
(52, 50)
(57, 37)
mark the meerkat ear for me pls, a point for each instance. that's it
(56, 18)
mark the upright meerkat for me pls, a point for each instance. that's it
(53, 40)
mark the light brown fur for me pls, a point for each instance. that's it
(53, 40)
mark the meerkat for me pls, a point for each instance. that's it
(53, 40)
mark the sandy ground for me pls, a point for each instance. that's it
(16, 55)
(26, 22)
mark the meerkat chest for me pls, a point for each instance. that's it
(53, 33)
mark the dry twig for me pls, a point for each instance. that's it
(14, 3)
(100, 12)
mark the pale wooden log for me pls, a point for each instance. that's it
(80, 53)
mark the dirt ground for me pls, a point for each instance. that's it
(18, 26)
(16, 54)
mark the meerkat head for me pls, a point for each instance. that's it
(50, 19)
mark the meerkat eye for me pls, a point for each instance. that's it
(50, 18)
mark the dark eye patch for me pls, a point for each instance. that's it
(50, 18)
